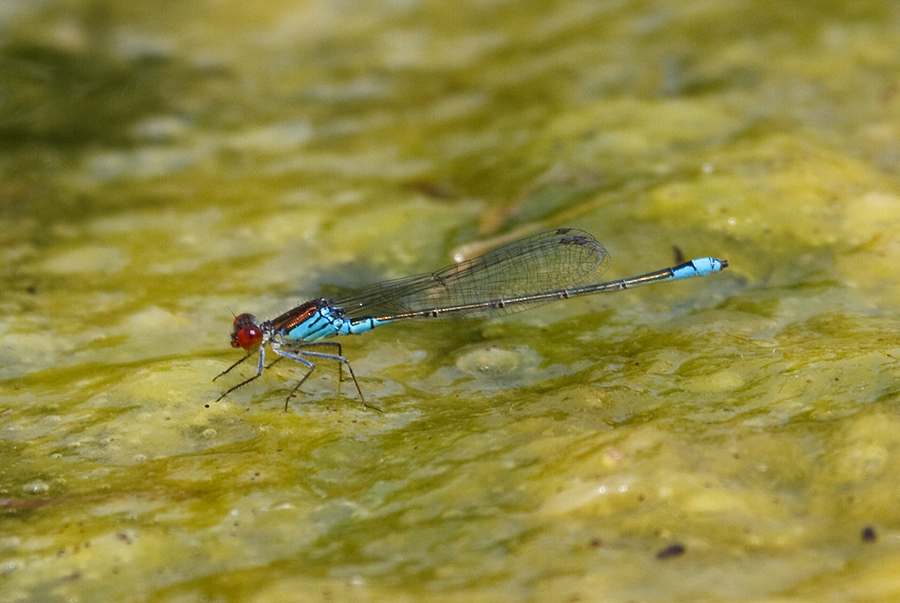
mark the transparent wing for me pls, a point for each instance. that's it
(549, 261)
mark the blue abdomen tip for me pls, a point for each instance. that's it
(699, 267)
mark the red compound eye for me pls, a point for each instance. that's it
(247, 333)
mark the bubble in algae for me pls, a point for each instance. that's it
(490, 362)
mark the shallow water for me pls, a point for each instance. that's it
(729, 438)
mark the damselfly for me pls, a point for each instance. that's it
(558, 264)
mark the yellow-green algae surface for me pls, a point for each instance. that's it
(732, 438)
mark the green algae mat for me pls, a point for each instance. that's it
(166, 167)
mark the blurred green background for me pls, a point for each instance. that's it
(164, 165)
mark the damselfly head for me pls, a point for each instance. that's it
(247, 334)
